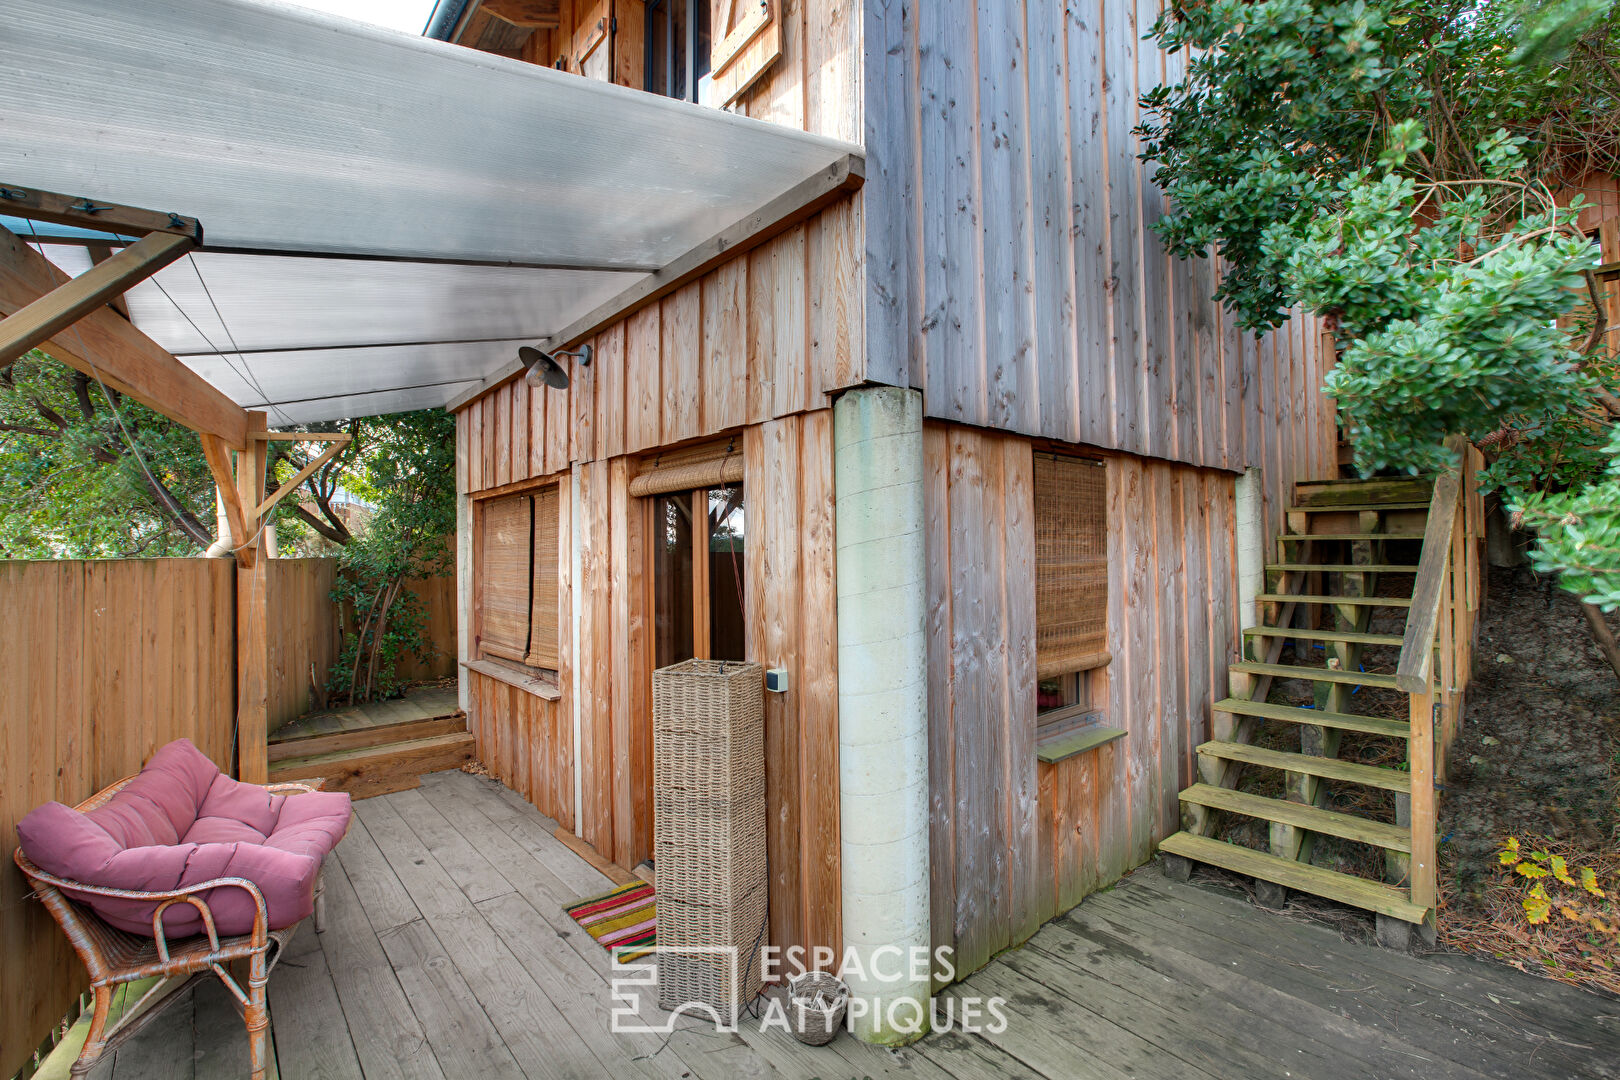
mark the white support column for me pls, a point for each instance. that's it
(883, 710)
(1251, 546)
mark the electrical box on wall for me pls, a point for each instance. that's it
(776, 680)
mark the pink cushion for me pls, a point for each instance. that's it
(181, 822)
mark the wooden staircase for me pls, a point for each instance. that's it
(1361, 560)
(375, 760)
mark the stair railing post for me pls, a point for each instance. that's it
(1420, 757)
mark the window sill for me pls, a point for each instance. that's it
(1072, 743)
(538, 685)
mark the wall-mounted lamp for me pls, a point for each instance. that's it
(543, 369)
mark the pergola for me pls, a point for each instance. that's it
(300, 218)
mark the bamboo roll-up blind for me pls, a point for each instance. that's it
(688, 475)
(1071, 564)
(543, 604)
(504, 575)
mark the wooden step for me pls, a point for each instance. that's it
(1343, 508)
(1345, 568)
(1345, 888)
(1285, 537)
(1352, 601)
(1316, 674)
(1314, 818)
(377, 770)
(1327, 768)
(336, 741)
(1349, 637)
(1378, 491)
(1371, 725)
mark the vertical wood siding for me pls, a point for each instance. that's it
(767, 335)
(1010, 271)
(1015, 841)
(101, 663)
(791, 603)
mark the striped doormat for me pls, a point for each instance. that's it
(624, 921)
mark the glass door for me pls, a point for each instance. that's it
(699, 560)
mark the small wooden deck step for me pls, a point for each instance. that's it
(1352, 601)
(1327, 768)
(377, 770)
(1349, 637)
(1345, 568)
(1314, 818)
(1371, 725)
(334, 742)
(1345, 888)
(1316, 674)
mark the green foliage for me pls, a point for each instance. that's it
(1390, 166)
(1440, 339)
(69, 486)
(409, 476)
(1579, 531)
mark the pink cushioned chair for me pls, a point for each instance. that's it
(181, 851)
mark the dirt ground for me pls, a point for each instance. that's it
(1539, 753)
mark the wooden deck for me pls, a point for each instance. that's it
(423, 703)
(447, 954)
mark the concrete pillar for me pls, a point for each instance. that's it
(1251, 546)
(883, 710)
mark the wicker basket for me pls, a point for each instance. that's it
(736, 928)
(709, 831)
(816, 1004)
(708, 726)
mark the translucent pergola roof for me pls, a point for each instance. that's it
(386, 218)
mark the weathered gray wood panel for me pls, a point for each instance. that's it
(1011, 269)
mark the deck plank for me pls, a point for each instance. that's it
(166, 1049)
(1451, 989)
(384, 903)
(306, 1017)
(386, 1035)
(535, 1033)
(463, 1039)
(448, 953)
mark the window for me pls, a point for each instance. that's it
(517, 578)
(1071, 601)
(677, 47)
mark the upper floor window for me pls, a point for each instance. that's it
(677, 47)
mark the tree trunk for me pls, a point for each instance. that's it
(360, 647)
(377, 634)
(1603, 635)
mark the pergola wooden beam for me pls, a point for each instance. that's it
(95, 288)
(106, 346)
(83, 213)
(338, 441)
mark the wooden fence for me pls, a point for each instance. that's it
(100, 664)
(306, 627)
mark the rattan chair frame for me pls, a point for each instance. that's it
(114, 957)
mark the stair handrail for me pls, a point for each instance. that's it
(1445, 598)
(1415, 672)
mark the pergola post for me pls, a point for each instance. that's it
(252, 614)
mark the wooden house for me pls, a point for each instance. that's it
(863, 363)
(1085, 420)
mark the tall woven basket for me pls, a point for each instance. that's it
(709, 832)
